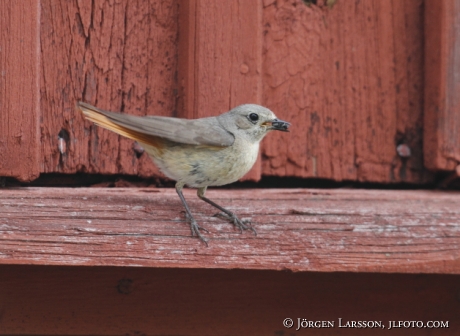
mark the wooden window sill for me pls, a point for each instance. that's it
(346, 230)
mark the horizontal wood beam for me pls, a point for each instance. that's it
(58, 300)
(298, 229)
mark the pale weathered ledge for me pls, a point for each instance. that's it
(298, 229)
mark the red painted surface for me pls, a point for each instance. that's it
(297, 229)
(220, 58)
(118, 55)
(19, 89)
(47, 300)
(442, 105)
(350, 78)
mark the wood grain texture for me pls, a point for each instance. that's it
(186, 65)
(156, 301)
(350, 79)
(118, 55)
(442, 89)
(19, 89)
(298, 229)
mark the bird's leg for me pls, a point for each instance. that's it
(240, 224)
(193, 224)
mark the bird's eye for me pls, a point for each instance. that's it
(253, 117)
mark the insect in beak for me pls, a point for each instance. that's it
(277, 125)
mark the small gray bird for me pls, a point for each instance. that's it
(198, 153)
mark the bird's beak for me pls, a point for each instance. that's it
(278, 125)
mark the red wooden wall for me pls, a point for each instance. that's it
(349, 77)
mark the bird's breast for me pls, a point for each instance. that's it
(200, 166)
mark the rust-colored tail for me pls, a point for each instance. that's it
(106, 120)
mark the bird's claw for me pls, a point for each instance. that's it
(240, 224)
(195, 228)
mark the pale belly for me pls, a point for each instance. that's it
(200, 166)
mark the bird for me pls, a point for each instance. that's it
(198, 153)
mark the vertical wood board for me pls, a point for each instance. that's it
(220, 58)
(350, 78)
(120, 56)
(442, 86)
(19, 89)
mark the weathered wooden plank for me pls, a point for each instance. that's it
(298, 229)
(119, 55)
(19, 89)
(442, 89)
(350, 79)
(49, 300)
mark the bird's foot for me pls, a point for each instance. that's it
(241, 224)
(195, 228)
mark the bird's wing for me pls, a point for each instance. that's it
(205, 131)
